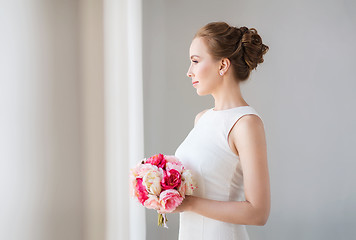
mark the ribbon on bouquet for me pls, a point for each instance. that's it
(162, 219)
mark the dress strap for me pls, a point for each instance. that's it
(236, 115)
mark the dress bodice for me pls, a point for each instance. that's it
(217, 171)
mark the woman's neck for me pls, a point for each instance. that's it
(228, 95)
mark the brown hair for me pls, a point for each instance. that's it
(242, 46)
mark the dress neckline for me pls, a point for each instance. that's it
(225, 110)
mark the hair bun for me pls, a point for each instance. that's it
(243, 30)
(253, 48)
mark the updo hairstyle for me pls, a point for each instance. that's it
(242, 46)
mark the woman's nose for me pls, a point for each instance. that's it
(189, 73)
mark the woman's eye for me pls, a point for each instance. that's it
(195, 61)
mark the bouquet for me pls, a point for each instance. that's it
(161, 183)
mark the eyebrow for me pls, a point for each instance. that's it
(193, 56)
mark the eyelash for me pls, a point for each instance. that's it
(195, 61)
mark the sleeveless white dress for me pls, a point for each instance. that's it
(217, 172)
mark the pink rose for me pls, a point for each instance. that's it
(171, 158)
(132, 183)
(174, 165)
(157, 160)
(152, 202)
(135, 171)
(169, 200)
(171, 179)
(141, 192)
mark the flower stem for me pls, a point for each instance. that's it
(160, 220)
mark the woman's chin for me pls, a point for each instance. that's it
(202, 93)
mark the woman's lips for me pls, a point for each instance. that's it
(195, 82)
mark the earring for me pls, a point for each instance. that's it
(221, 73)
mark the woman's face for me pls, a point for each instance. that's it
(203, 70)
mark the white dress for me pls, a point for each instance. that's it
(217, 171)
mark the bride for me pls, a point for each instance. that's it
(226, 150)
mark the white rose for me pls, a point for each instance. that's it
(152, 182)
(145, 168)
(188, 181)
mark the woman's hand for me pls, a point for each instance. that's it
(186, 205)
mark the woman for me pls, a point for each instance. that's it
(226, 150)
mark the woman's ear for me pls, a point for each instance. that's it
(224, 64)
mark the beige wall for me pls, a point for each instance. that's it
(40, 157)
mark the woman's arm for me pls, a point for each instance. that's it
(248, 137)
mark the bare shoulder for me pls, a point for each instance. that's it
(199, 115)
(248, 132)
(248, 122)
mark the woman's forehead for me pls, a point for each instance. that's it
(197, 48)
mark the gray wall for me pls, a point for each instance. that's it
(304, 92)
